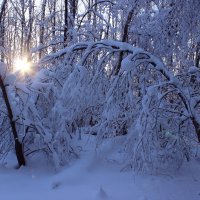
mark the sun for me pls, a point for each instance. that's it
(22, 65)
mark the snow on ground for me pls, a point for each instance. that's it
(90, 179)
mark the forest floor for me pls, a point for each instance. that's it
(88, 179)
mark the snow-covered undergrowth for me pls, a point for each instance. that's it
(156, 110)
(122, 95)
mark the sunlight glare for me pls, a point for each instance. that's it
(22, 65)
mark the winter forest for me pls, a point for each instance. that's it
(108, 82)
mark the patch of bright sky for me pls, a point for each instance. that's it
(81, 5)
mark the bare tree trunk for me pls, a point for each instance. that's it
(18, 144)
(30, 28)
(94, 25)
(3, 7)
(54, 25)
(2, 27)
(197, 60)
(197, 128)
(73, 12)
(41, 37)
(108, 27)
(124, 38)
(23, 26)
(66, 23)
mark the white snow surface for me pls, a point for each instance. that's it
(90, 178)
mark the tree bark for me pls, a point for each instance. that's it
(66, 23)
(30, 29)
(197, 128)
(3, 7)
(23, 26)
(124, 39)
(41, 37)
(18, 144)
(197, 60)
(2, 27)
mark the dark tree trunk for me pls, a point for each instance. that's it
(18, 145)
(2, 27)
(23, 27)
(66, 24)
(54, 25)
(42, 28)
(197, 60)
(3, 7)
(73, 10)
(30, 29)
(124, 39)
(197, 128)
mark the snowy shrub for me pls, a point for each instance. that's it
(45, 130)
(38, 127)
(111, 90)
(167, 126)
(145, 101)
